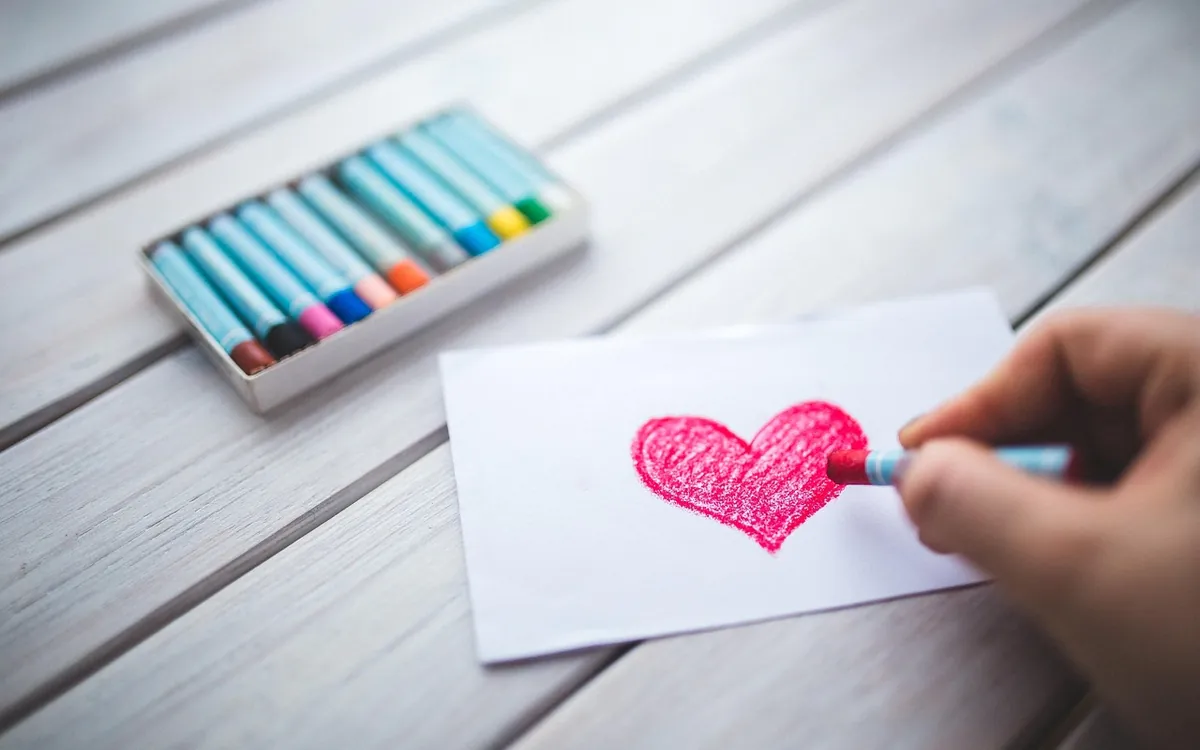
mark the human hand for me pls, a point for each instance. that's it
(1111, 571)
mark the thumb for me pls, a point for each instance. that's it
(1033, 535)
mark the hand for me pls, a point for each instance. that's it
(1110, 570)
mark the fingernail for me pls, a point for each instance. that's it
(910, 423)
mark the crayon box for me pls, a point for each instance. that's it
(286, 288)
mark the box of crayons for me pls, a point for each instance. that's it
(290, 287)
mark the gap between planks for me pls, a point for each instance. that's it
(1138, 221)
(112, 47)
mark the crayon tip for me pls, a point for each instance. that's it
(375, 292)
(251, 357)
(847, 467)
(407, 276)
(533, 209)
(348, 306)
(476, 239)
(508, 222)
(319, 321)
(287, 338)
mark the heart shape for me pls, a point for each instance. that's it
(767, 487)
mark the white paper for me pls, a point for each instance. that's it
(565, 546)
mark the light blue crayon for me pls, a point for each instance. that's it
(429, 240)
(277, 281)
(319, 235)
(331, 287)
(195, 293)
(465, 183)
(250, 303)
(512, 182)
(415, 181)
(1051, 461)
(549, 190)
(371, 240)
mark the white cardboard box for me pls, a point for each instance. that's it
(563, 232)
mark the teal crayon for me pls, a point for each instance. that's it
(426, 191)
(368, 285)
(885, 467)
(514, 184)
(281, 335)
(331, 287)
(501, 218)
(207, 307)
(549, 190)
(365, 178)
(275, 279)
(372, 241)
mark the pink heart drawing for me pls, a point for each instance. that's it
(767, 487)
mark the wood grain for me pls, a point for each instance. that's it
(125, 509)
(103, 327)
(384, 586)
(252, 661)
(81, 136)
(38, 37)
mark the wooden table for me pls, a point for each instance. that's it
(176, 572)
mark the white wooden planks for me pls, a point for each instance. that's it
(103, 326)
(38, 37)
(164, 100)
(195, 483)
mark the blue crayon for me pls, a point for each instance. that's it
(275, 279)
(295, 252)
(209, 309)
(549, 190)
(502, 218)
(282, 336)
(415, 181)
(368, 285)
(415, 227)
(885, 466)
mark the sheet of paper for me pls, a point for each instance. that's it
(614, 489)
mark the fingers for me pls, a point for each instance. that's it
(1030, 534)
(1026, 390)
(1143, 362)
(1169, 467)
